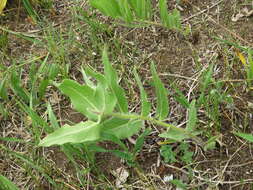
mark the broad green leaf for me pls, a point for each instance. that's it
(105, 99)
(112, 79)
(112, 123)
(103, 95)
(246, 136)
(82, 98)
(145, 104)
(174, 134)
(86, 79)
(107, 7)
(121, 128)
(98, 76)
(162, 107)
(110, 72)
(79, 133)
(177, 135)
(192, 119)
(6, 184)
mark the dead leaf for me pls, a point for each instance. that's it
(241, 57)
(2, 5)
(121, 175)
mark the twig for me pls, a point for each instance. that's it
(203, 11)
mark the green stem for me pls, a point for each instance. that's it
(158, 122)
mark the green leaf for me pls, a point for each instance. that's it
(38, 123)
(53, 71)
(162, 108)
(180, 98)
(140, 141)
(112, 79)
(250, 68)
(110, 137)
(211, 143)
(142, 8)
(121, 154)
(52, 117)
(179, 184)
(174, 134)
(176, 19)
(207, 78)
(98, 76)
(192, 120)
(17, 88)
(105, 98)
(145, 104)
(125, 10)
(246, 136)
(3, 111)
(169, 20)
(6, 184)
(86, 79)
(167, 153)
(3, 90)
(121, 128)
(30, 10)
(82, 98)
(107, 7)
(42, 88)
(178, 136)
(124, 155)
(79, 133)
(164, 15)
(187, 154)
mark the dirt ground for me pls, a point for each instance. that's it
(179, 60)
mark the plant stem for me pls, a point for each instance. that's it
(158, 122)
